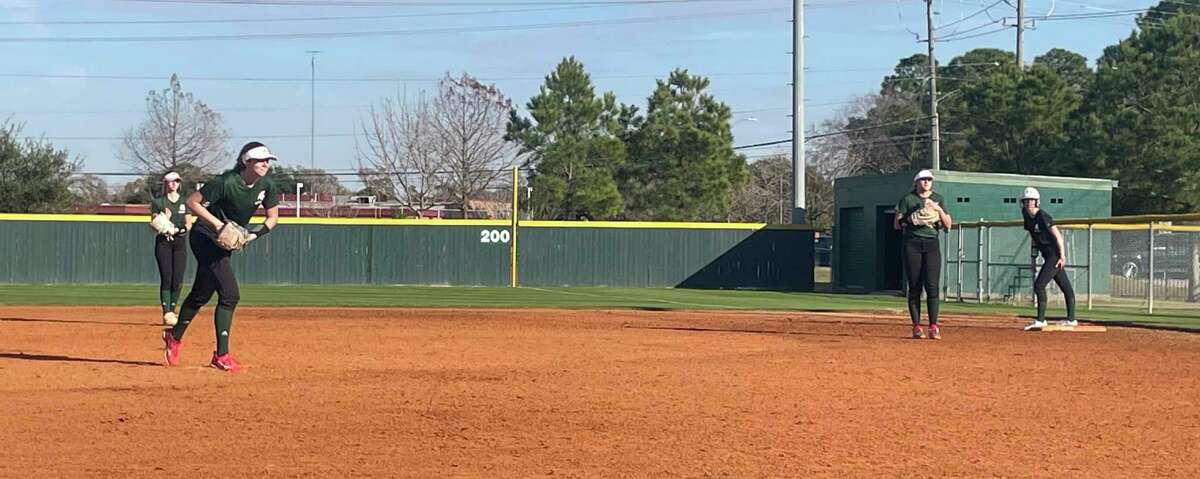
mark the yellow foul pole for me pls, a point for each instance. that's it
(513, 246)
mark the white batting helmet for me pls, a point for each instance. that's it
(1031, 193)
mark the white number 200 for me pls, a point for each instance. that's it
(494, 236)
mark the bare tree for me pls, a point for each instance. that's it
(471, 119)
(178, 130)
(89, 190)
(766, 197)
(403, 147)
(852, 144)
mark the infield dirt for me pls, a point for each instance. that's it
(530, 393)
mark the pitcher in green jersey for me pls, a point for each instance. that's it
(231, 197)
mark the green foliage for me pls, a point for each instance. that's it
(1011, 121)
(682, 164)
(1141, 121)
(1071, 66)
(572, 141)
(35, 177)
(150, 185)
(315, 180)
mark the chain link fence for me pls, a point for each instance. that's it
(1142, 262)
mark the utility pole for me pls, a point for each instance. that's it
(1020, 34)
(936, 140)
(799, 215)
(312, 118)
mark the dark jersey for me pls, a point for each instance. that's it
(230, 199)
(1038, 227)
(177, 208)
(908, 205)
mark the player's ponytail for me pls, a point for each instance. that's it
(239, 164)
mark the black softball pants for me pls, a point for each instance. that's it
(214, 274)
(171, 257)
(923, 265)
(1048, 272)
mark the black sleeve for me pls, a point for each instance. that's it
(1047, 221)
(259, 229)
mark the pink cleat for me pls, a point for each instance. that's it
(225, 362)
(935, 332)
(170, 348)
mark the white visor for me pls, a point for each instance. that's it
(258, 153)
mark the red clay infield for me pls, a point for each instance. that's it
(488, 393)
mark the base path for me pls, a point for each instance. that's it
(533, 393)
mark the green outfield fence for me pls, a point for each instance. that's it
(81, 249)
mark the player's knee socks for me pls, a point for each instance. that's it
(164, 299)
(223, 320)
(914, 309)
(1041, 303)
(174, 299)
(932, 305)
(185, 318)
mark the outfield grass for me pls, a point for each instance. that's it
(569, 298)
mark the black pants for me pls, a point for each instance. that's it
(171, 257)
(923, 265)
(214, 274)
(1048, 272)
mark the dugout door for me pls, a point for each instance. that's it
(889, 251)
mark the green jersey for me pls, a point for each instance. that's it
(178, 209)
(910, 204)
(230, 199)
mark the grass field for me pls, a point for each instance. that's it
(399, 381)
(565, 298)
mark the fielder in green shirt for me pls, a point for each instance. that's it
(229, 198)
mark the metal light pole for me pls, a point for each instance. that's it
(312, 125)
(936, 140)
(799, 215)
(298, 186)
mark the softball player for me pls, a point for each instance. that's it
(1047, 240)
(170, 250)
(224, 206)
(921, 215)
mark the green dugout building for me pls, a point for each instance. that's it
(992, 262)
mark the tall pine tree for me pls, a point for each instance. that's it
(571, 143)
(682, 164)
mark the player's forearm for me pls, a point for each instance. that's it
(195, 203)
(1058, 241)
(272, 217)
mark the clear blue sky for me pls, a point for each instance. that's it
(742, 45)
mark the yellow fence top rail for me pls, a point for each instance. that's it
(663, 225)
(1110, 223)
(287, 220)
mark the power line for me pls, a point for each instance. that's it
(394, 3)
(968, 17)
(87, 76)
(113, 138)
(218, 109)
(260, 20)
(977, 35)
(385, 33)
